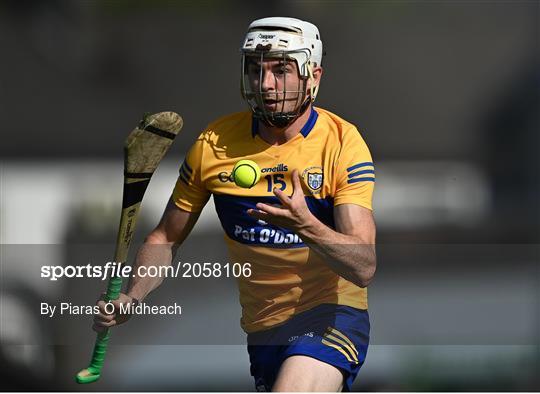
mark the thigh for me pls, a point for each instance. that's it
(303, 373)
(265, 365)
(328, 341)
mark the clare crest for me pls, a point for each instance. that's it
(313, 176)
(314, 180)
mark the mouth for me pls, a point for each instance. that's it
(270, 103)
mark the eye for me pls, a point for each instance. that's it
(284, 69)
(288, 68)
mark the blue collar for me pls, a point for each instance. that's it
(313, 116)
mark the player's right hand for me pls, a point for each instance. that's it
(105, 319)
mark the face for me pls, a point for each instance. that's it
(276, 83)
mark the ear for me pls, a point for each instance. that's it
(317, 75)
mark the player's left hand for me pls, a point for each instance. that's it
(293, 213)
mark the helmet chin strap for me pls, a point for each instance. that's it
(314, 88)
(283, 119)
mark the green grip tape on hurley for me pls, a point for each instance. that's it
(100, 349)
(114, 288)
(93, 372)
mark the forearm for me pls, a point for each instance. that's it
(159, 249)
(347, 255)
(150, 254)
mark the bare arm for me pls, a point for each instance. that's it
(349, 251)
(160, 246)
(158, 249)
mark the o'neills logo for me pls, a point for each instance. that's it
(279, 168)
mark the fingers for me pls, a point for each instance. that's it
(260, 215)
(108, 315)
(272, 210)
(117, 303)
(104, 319)
(264, 211)
(102, 326)
(273, 213)
(283, 198)
(297, 189)
(104, 309)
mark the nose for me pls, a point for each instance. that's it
(268, 82)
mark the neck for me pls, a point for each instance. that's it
(280, 135)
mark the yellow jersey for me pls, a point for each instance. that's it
(335, 167)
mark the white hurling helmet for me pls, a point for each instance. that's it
(287, 39)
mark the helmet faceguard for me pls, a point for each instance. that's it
(290, 101)
(287, 41)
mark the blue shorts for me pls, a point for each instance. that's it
(335, 334)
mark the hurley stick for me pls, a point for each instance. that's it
(144, 148)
